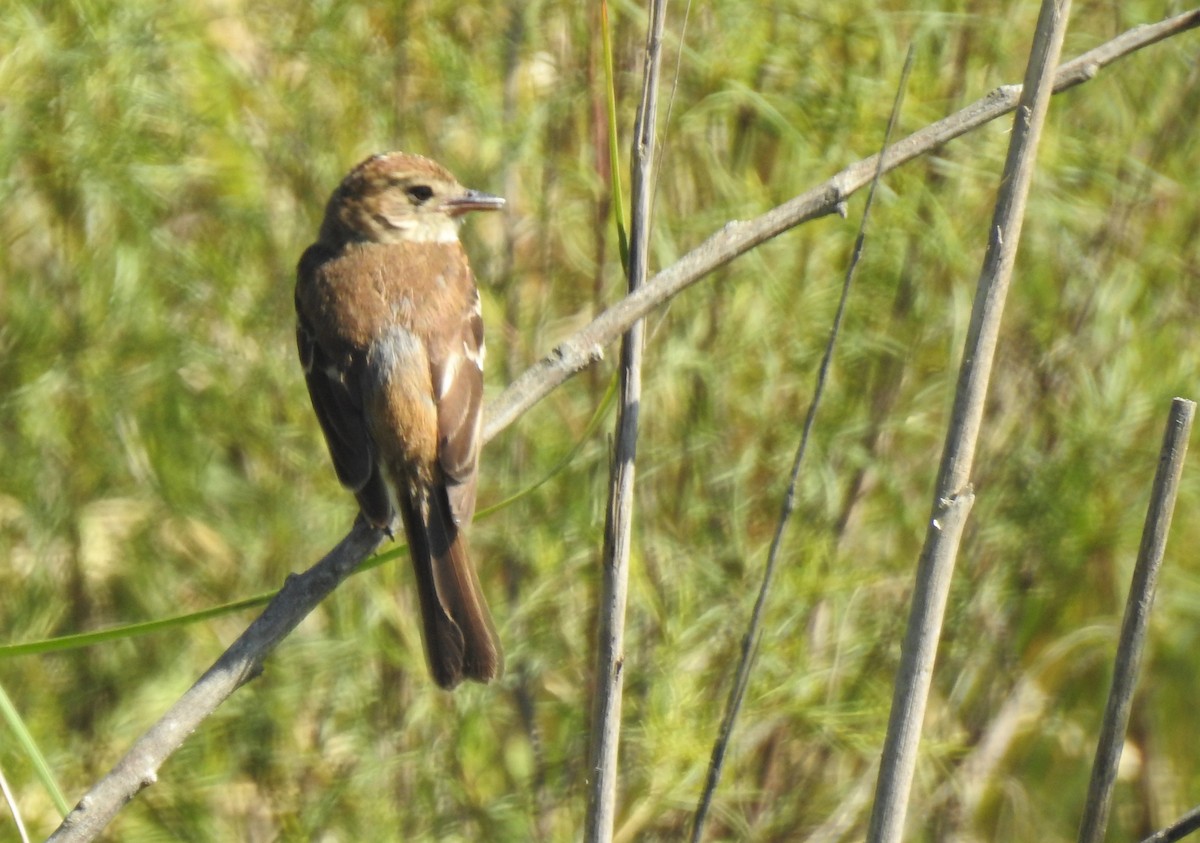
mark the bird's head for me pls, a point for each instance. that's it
(397, 197)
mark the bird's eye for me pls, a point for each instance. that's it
(420, 192)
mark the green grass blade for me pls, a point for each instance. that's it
(593, 424)
(614, 158)
(63, 643)
(9, 712)
(86, 639)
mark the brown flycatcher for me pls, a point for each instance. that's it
(391, 340)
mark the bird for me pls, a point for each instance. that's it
(390, 335)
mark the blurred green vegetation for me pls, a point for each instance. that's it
(162, 166)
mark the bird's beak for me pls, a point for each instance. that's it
(473, 200)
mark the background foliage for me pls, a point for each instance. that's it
(162, 166)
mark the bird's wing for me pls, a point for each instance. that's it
(458, 386)
(334, 386)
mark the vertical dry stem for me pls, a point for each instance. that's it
(953, 495)
(1136, 620)
(606, 711)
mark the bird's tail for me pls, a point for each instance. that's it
(460, 639)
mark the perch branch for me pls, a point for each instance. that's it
(240, 663)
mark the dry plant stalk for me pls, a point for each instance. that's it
(1177, 830)
(953, 495)
(1135, 624)
(618, 526)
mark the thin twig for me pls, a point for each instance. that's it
(1136, 620)
(753, 636)
(666, 127)
(1177, 830)
(610, 635)
(953, 495)
(735, 238)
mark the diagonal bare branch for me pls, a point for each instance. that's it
(735, 238)
(238, 665)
